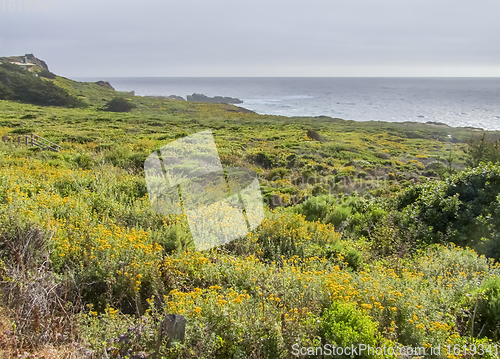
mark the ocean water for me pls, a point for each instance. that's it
(458, 102)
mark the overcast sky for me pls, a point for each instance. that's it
(80, 38)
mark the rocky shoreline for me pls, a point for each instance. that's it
(195, 97)
(216, 99)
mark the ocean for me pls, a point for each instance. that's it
(457, 102)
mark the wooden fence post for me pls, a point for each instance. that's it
(173, 329)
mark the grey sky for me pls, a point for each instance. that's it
(258, 38)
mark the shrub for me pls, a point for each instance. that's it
(486, 311)
(84, 161)
(385, 241)
(126, 158)
(30, 288)
(362, 215)
(263, 159)
(463, 209)
(283, 235)
(353, 258)
(118, 104)
(315, 208)
(344, 324)
(338, 216)
(482, 149)
(278, 173)
(47, 74)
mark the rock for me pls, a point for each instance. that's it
(314, 135)
(105, 84)
(384, 155)
(31, 58)
(176, 98)
(216, 99)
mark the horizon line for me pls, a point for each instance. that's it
(437, 77)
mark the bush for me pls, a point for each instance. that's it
(487, 312)
(463, 209)
(482, 149)
(315, 208)
(343, 325)
(362, 215)
(338, 215)
(119, 104)
(353, 258)
(278, 173)
(262, 158)
(283, 235)
(30, 288)
(84, 161)
(47, 74)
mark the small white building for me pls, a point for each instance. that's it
(24, 64)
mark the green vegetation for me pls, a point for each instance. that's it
(483, 149)
(118, 104)
(47, 74)
(20, 85)
(346, 325)
(375, 233)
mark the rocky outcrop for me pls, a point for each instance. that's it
(105, 84)
(176, 98)
(217, 99)
(30, 58)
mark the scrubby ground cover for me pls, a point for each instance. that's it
(365, 238)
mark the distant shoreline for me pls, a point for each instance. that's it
(456, 102)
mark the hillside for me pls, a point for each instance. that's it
(39, 86)
(366, 239)
(41, 65)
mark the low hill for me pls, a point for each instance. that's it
(42, 65)
(39, 86)
(18, 84)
